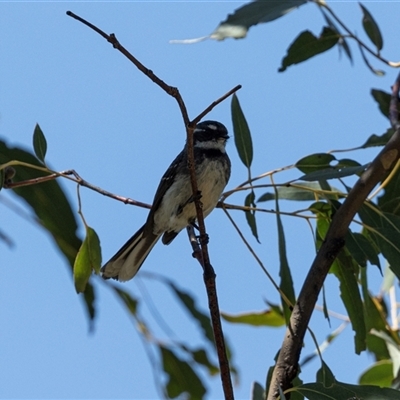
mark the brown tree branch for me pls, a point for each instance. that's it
(209, 281)
(77, 179)
(209, 274)
(286, 366)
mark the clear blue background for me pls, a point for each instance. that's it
(119, 131)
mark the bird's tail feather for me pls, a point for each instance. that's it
(126, 262)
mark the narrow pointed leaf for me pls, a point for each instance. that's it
(379, 374)
(378, 72)
(342, 41)
(375, 318)
(87, 260)
(381, 140)
(345, 46)
(130, 302)
(302, 191)
(257, 392)
(238, 23)
(266, 318)
(39, 143)
(333, 173)
(371, 28)
(389, 201)
(393, 348)
(242, 134)
(89, 298)
(383, 100)
(361, 249)
(315, 162)
(325, 375)
(251, 215)
(351, 297)
(201, 357)
(384, 230)
(286, 283)
(306, 45)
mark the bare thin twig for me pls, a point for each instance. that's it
(77, 179)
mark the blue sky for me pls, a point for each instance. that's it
(119, 131)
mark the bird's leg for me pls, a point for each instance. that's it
(203, 239)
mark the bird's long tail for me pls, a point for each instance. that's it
(126, 262)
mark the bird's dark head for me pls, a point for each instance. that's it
(210, 134)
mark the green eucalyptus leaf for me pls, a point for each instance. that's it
(39, 143)
(375, 140)
(383, 100)
(242, 134)
(270, 317)
(361, 249)
(286, 282)
(325, 375)
(342, 41)
(346, 48)
(201, 357)
(251, 215)
(306, 45)
(379, 374)
(315, 162)
(130, 302)
(347, 272)
(238, 23)
(87, 260)
(371, 28)
(384, 230)
(302, 191)
(375, 318)
(378, 72)
(389, 201)
(89, 298)
(333, 173)
(257, 392)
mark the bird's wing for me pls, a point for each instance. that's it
(165, 183)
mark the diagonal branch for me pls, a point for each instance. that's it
(286, 367)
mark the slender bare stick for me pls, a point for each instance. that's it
(76, 178)
(286, 366)
(209, 280)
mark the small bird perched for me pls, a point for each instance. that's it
(173, 206)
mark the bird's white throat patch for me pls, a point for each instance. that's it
(218, 144)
